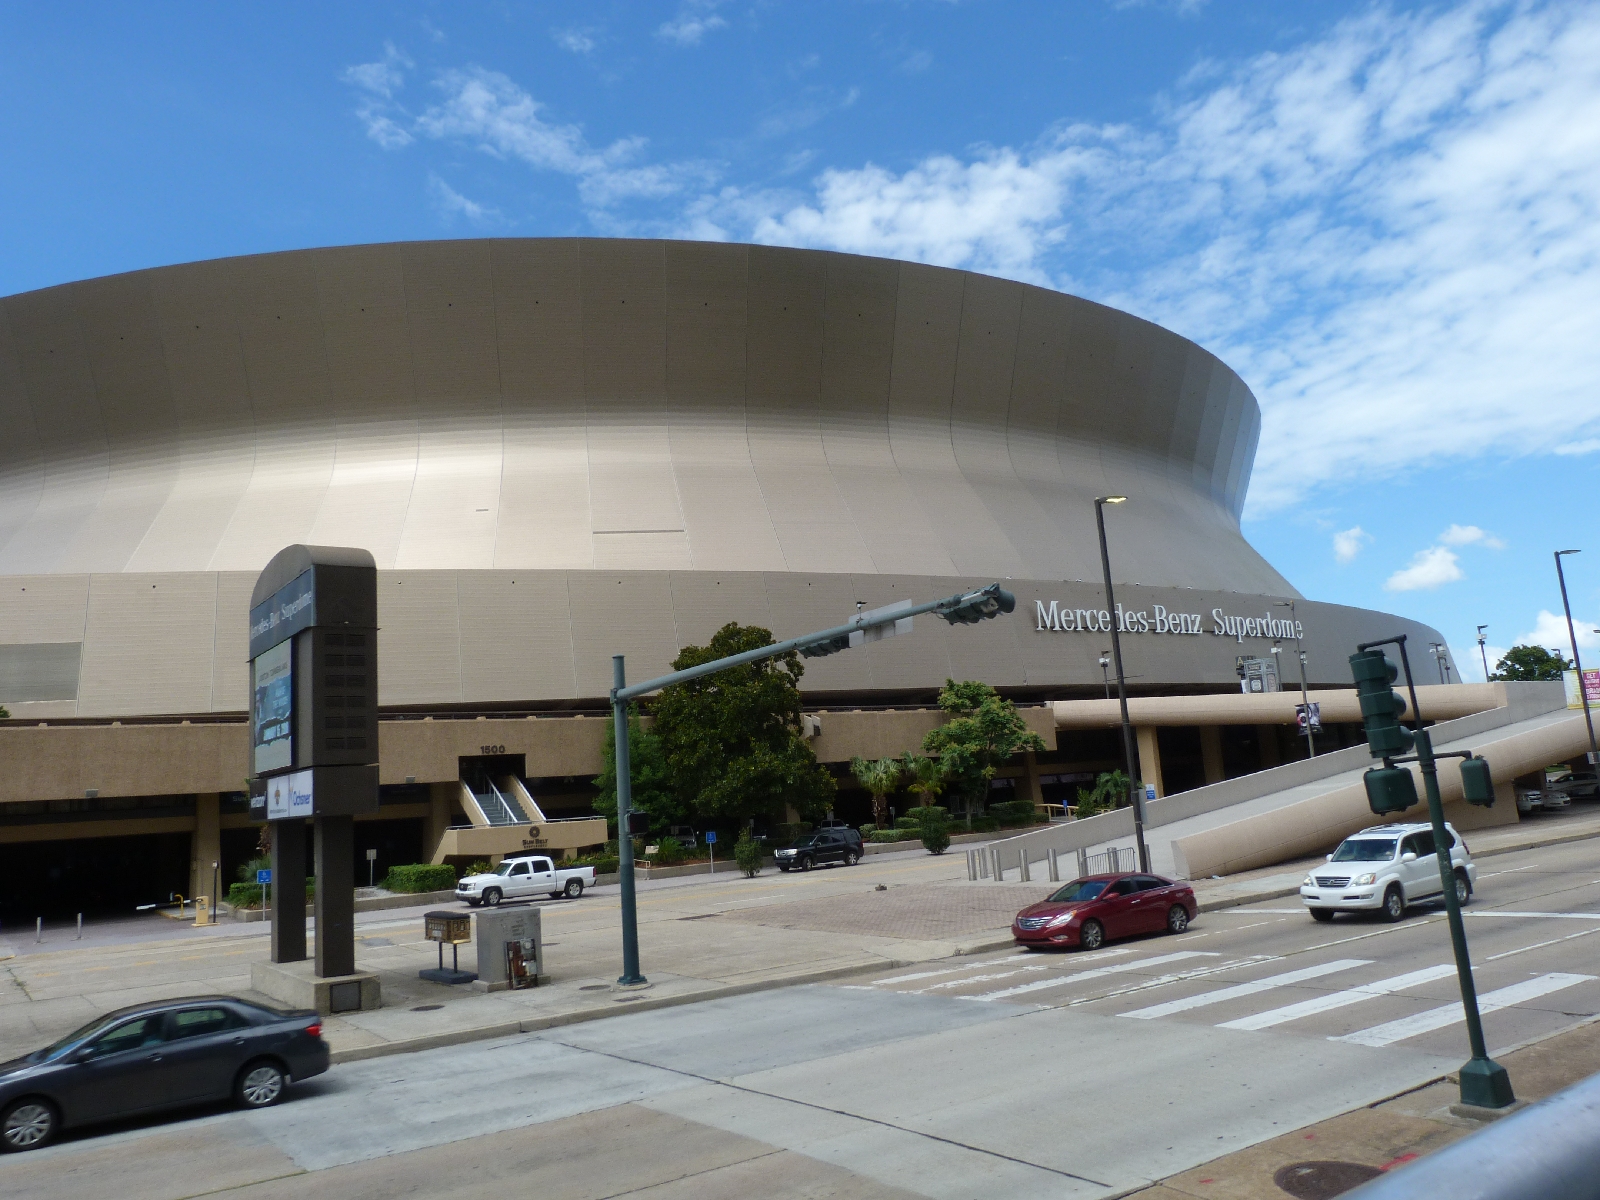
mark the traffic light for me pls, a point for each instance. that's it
(1390, 789)
(1381, 706)
(980, 606)
(826, 647)
(1477, 784)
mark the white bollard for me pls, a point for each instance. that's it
(38, 929)
(1083, 862)
(1055, 865)
(999, 871)
(972, 867)
(79, 938)
(1022, 861)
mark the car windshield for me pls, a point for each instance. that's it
(504, 868)
(810, 839)
(57, 1048)
(1364, 850)
(1080, 889)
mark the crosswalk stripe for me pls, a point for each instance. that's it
(1321, 1004)
(1448, 1014)
(916, 975)
(1244, 989)
(1096, 973)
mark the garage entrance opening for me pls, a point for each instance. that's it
(94, 876)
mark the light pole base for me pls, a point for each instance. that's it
(630, 983)
(1485, 1084)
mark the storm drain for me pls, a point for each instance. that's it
(1322, 1180)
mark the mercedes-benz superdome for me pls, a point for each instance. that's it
(560, 450)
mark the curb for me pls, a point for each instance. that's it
(537, 1024)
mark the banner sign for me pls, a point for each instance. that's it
(1311, 719)
(272, 710)
(1591, 686)
(290, 796)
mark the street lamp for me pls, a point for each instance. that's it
(1134, 789)
(1577, 665)
(1437, 650)
(1483, 653)
(1105, 663)
(1305, 695)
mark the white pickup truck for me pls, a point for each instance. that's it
(524, 876)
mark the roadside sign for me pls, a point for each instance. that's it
(711, 837)
(264, 875)
(1314, 716)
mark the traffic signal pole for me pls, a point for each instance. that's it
(1484, 1082)
(964, 608)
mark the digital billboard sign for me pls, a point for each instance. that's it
(272, 709)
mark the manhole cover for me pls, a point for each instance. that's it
(426, 1007)
(1322, 1180)
(595, 987)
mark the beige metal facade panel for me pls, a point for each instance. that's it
(148, 644)
(419, 638)
(516, 636)
(230, 670)
(43, 608)
(628, 613)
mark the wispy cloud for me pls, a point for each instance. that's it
(575, 40)
(451, 203)
(1470, 535)
(693, 20)
(1429, 569)
(376, 84)
(1550, 630)
(1347, 543)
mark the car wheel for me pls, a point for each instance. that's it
(1177, 919)
(260, 1085)
(805, 864)
(574, 889)
(28, 1124)
(1463, 888)
(850, 858)
(1394, 903)
(1322, 914)
(1092, 936)
(492, 897)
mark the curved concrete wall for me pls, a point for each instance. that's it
(597, 404)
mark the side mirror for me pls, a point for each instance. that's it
(1327, 858)
(81, 1054)
(1408, 857)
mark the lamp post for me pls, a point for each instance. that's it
(1305, 694)
(1437, 650)
(1577, 664)
(1105, 664)
(1483, 653)
(1134, 789)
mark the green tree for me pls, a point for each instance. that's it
(982, 734)
(652, 785)
(731, 741)
(925, 777)
(880, 777)
(1530, 662)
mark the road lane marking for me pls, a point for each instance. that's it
(1509, 871)
(1145, 985)
(1542, 945)
(1500, 912)
(912, 978)
(1448, 1014)
(1096, 973)
(1244, 989)
(1322, 1004)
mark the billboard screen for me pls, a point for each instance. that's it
(272, 709)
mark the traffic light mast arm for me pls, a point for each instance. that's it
(946, 605)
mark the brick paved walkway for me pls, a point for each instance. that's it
(916, 911)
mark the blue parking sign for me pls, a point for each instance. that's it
(711, 837)
(263, 875)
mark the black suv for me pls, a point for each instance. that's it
(823, 846)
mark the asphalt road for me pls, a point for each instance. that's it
(1023, 1075)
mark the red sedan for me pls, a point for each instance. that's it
(1088, 911)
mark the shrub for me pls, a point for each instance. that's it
(420, 877)
(1013, 812)
(603, 864)
(935, 812)
(893, 835)
(477, 867)
(248, 895)
(668, 853)
(907, 823)
(935, 837)
(983, 824)
(747, 853)
(247, 870)
(868, 830)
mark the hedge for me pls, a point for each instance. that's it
(248, 895)
(895, 835)
(420, 877)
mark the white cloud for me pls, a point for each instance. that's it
(694, 19)
(1550, 630)
(1347, 543)
(1468, 535)
(452, 203)
(1587, 446)
(1429, 568)
(1392, 221)
(1184, 8)
(377, 83)
(576, 41)
(488, 111)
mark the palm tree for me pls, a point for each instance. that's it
(925, 777)
(880, 777)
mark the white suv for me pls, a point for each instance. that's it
(1386, 867)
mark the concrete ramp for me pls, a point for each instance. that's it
(1305, 807)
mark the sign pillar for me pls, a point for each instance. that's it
(289, 892)
(336, 896)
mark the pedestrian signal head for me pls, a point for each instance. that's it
(1477, 784)
(1390, 789)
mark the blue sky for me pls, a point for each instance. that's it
(1383, 216)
